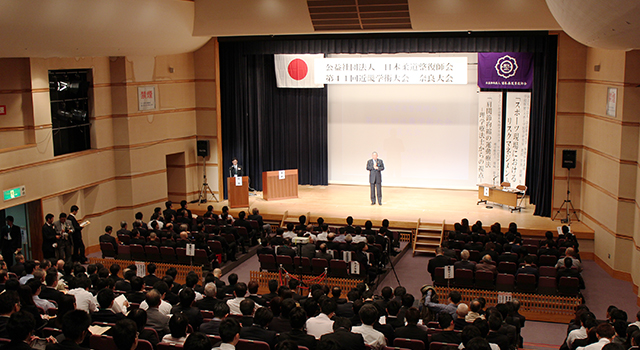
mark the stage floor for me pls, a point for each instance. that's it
(400, 204)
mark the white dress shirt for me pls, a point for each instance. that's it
(84, 300)
(289, 234)
(319, 325)
(580, 333)
(43, 303)
(322, 236)
(120, 305)
(25, 278)
(358, 238)
(225, 346)
(164, 307)
(595, 346)
(371, 337)
(234, 306)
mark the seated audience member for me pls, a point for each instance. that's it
(229, 333)
(125, 335)
(461, 313)
(108, 238)
(322, 324)
(392, 319)
(448, 335)
(528, 267)
(494, 335)
(605, 333)
(475, 307)
(451, 307)
(570, 253)
(187, 297)
(209, 301)
(286, 249)
(247, 308)
(273, 287)
(137, 294)
(440, 260)
(468, 333)
(9, 304)
(298, 334)
(368, 316)
(105, 313)
(178, 325)
(258, 330)
(265, 248)
(239, 291)
(139, 316)
(156, 319)
(343, 336)
(75, 326)
(199, 341)
(36, 286)
(487, 264)
(27, 304)
(220, 311)
(229, 289)
(49, 291)
(323, 254)
(165, 306)
(20, 326)
(346, 309)
(150, 279)
(252, 287)
(464, 263)
(281, 323)
(411, 330)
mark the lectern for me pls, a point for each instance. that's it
(280, 184)
(238, 195)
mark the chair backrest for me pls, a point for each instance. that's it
(167, 346)
(507, 267)
(106, 247)
(547, 260)
(151, 249)
(434, 345)
(463, 274)
(167, 250)
(201, 253)
(245, 344)
(266, 258)
(547, 282)
(484, 275)
(548, 271)
(136, 248)
(181, 251)
(568, 282)
(526, 279)
(102, 342)
(505, 280)
(337, 264)
(505, 184)
(412, 344)
(144, 345)
(284, 260)
(302, 261)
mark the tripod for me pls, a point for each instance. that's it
(567, 204)
(391, 262)
(202, 196)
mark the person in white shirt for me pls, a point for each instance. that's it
(323, 236)
(178, 325)
(587, 319)
(322, 324)
(289, 233)
(164, 307)
(368, 315)
(29, 266)
(605, 333)
(84, 300)
(229, 333)
(36, 287)
(239, 290)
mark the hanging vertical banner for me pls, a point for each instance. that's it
(505, 70)
(516, 137)
(489, 137)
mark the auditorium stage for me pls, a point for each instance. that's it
(400, 204)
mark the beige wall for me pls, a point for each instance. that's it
(604, 186)
(126, 169)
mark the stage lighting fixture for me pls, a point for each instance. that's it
(63, 85)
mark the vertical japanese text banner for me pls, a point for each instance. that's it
(516, 137)
(489, 137)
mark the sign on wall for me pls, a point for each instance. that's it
(505, 70)
(391, 70)
(146, 98)
(516, 137)
(489, 137)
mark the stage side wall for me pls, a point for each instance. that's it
(604, 186)
(125, 171)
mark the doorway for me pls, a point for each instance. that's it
(28, 217)
(176, 177)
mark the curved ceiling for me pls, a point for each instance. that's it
(610, 24)
(82, 28)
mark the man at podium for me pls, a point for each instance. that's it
(236, 170)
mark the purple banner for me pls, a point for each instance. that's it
(505, 70)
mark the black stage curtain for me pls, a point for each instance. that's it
(269, 128)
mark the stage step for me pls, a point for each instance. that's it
(428, 237)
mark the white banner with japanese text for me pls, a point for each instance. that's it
(516, 137)
(391, 70)
(489, 137)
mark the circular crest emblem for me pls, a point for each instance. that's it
(506, 66)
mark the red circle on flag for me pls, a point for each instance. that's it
(297, 69)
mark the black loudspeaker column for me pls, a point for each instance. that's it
(569, 158)
(203, 148)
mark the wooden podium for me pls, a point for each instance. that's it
(238, 195)
(273, 187)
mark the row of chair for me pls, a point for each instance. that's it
(464, 278)
(304, 265)
(159, 254)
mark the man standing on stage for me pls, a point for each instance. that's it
(235, 169)
(375, 166)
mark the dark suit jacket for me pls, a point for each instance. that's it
(207, 303)
(449, 337)
(48, 239)
(109, 239)
(465, 264)
(375, 176)
(345, 310)
(301, 338)
(387, 330)
(258, 300)
(50, 294)
(499, 339)
(266, 251)
(280, 325)
(239, 171)
(346, 340)
(269, 296)
(65, 345)
(284, 250)
(528, 269)
(487, 267)
(412, 331)
(150, 280)
(211, 327)
(256, 332)
(77, 229)
(192, 313)
(16, 238)
(157, 321)
(438, 261)
(395, 322)
(107, 316)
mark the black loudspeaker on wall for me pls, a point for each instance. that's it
(569, 158)
(203, 148)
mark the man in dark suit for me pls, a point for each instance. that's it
(392, 319)
(48, 238)
(411, 330)
(448, 335)
(343, 337)
(156, 319)
(375, 167)
(440, 260)
(286, 249)
(78, 244)
(105, 314)
(236, 169)
(298, 334)
(258, 331)
(10, 240)
(169, 214)
(220, 311)
(528, 267)
(255, 216)
(49, 291)
(108, 238)
(273, 287)
(465, 263)
(495, 323)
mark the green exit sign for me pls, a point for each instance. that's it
(13, 193)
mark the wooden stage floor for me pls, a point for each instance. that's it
(400, 204)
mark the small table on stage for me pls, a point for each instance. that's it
(500, 195)
(238, 195)
(276, 187)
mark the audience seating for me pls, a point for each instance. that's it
(547, 285)
(245, 344)
(507, 267)
(137, 252)
(267, 262)
(568, 286)
(434, 345)
(526, 283)
(439, 277)
(107, 250)
(285, 261)
(485, 280)
(124, 252)
(318, 266)
(168, 255)
(303, 264)
(181, 254)
(547, 260)
(505, 282)
(463, 278)
(547, 271)
(338, 268)
(411, 344)
(153, 253)
(167, 346)
(105, 342)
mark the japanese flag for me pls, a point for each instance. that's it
(296, 71)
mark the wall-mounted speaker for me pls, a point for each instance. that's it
(203, 148)
(569, 158)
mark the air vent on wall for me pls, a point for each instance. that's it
(333, 15)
